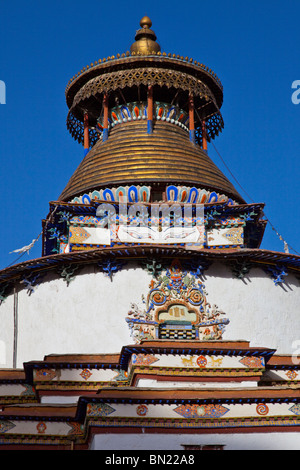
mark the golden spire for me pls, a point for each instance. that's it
(145, 39)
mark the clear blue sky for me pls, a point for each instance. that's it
(253, 46)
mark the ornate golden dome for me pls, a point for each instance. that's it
(145, 39)
(113, 95)
(125, 77)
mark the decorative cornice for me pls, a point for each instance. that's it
(258, 257)
(127, 60)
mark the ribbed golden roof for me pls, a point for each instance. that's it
(130, 155)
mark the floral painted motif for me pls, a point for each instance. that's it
(29, 391)
(6, 426)
(121, 375)
(78, 235)
(77, 429)
(202, 361)
(143, 359)
(99, 409)
(252, 362)
(86, 374)
(201, 411)
(295, 409)
(45, 374)
(291, 374)
(118, 194)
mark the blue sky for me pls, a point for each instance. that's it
(253, 46)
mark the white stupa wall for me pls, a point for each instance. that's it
(259, 311)
(88, 315)
(177, 441)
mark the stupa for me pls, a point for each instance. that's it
(153, 319)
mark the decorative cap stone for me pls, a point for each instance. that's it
(145, 39)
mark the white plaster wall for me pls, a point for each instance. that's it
(88, 316)
(164, 441)
(7, 332)
(259, 311)
(151, 383)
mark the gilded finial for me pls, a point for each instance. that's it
(146, 22)
(145, 39)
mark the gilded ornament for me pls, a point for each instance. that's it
(176, 308)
